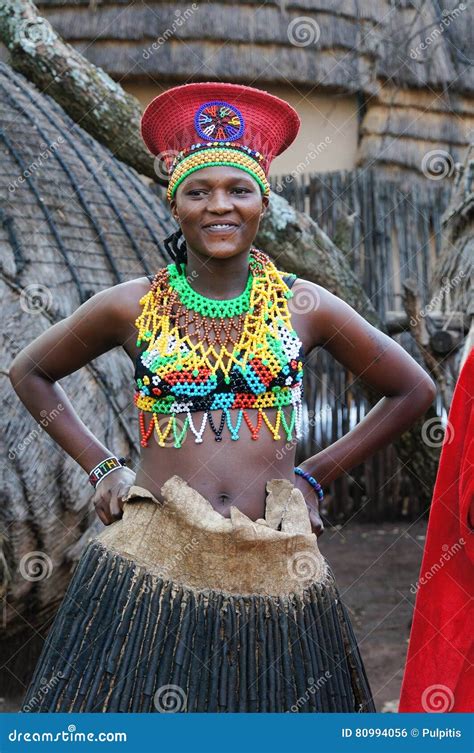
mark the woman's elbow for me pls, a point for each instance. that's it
(19, 369)
(14, 374)
(425, 393)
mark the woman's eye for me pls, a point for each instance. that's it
(196, 191)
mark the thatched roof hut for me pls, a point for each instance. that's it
(74, 221)
(375, 83)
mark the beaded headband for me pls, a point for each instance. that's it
(204, 124)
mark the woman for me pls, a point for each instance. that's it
(439, 668)
(206, 591)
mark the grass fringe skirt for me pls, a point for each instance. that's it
(176, 608)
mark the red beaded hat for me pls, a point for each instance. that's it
(202, 124)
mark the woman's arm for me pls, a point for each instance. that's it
(381, 363)
(100, 324)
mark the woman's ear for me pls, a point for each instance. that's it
(173, 209)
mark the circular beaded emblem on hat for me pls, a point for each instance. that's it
(219, 121)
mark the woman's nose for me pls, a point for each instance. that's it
(220, 201)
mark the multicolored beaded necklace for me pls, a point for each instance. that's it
(259, 363)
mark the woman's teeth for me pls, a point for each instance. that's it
(221, 228)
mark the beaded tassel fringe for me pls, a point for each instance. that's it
(262, 370)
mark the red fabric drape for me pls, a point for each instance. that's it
(439, 670)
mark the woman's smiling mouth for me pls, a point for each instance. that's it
(221, 228)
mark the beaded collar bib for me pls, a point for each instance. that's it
(182, 372)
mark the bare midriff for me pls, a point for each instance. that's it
(228, 472)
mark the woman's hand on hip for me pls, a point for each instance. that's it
(109, 494)
(312, 503)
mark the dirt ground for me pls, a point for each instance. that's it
(374, 565)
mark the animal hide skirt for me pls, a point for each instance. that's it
(175, 607)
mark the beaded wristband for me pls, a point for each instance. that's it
(317, 487)
(104, 468)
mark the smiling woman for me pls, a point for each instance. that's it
(207, 591)
(219, 211)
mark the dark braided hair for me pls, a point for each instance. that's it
(178, 253)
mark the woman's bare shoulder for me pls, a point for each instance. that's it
(130, 293)
(314, 304)
(302, 284)
(124, 306)
(104, 321)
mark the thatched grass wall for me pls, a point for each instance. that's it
(407, 63)
(73, 220)
(390, 230)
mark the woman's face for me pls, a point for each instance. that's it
(219, 195)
